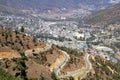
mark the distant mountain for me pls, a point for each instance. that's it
(104, 17)
(42, 5)
(10, 10)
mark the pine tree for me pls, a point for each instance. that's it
(22, 29)
(21, 66)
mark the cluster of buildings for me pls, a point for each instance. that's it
(66, 33)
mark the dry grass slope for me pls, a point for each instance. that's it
(105, 17)
(11, 42)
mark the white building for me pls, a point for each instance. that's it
(78, 35)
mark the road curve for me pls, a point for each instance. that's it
(88, 67)
(62, 63)
(48, 46)
(66, 58)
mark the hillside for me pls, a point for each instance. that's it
(9, 10)
(104, 17)
(103, 70)
(42, 5)
(13, 41)
(23, 57)
(37, 66)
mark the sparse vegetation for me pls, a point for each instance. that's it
(105, 17)
(53, 76)
(6, 76)
(15, 41)
(74, 52)
(105, 70)
(21, 66)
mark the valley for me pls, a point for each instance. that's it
(66, 40)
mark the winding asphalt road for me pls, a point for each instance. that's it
(66, 58)
(88, 67)
(62, 63)
(48, 46)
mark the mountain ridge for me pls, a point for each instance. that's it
(104, 17)
(42, 5)
(9, 10)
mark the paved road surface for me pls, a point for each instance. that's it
(48, 46)
(88, 66)
(62, 63)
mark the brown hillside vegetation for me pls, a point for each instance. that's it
(38, 65)
(11, 42)
(104, 17)
(74, 63)
(103, 70)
